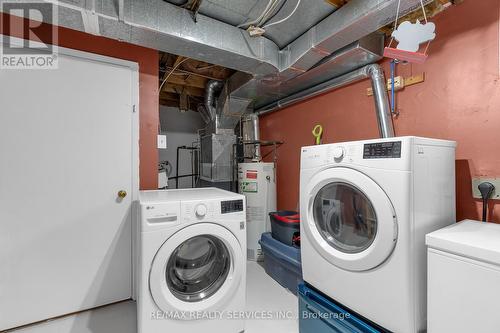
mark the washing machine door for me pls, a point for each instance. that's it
(349, 219)
(197, 269)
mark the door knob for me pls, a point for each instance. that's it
(122, 194)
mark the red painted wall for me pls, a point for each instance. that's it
(460, 100)
(148, 88)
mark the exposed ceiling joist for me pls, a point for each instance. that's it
(186, 80)
(337, 3)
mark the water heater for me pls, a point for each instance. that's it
(257, 181)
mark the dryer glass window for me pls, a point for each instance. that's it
(198, 268)
(345, 217)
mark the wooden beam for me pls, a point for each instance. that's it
(169, 96)
(401, 83)
(179, 80)
(167, 75)
(187, 72)
(175, 104)
(336, 3)
(183, 100)
(192, 91)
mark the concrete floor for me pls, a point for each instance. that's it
(265, 294)
(265, 298)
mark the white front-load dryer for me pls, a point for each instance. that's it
(365, 209)
(191, 261)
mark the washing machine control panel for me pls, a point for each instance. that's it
(199, 211)
(338, 153)
(212, 210)
(231, 206)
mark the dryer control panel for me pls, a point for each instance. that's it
(387, 153)
(382, 150)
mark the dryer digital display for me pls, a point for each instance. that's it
(231, 206)
(382, 150)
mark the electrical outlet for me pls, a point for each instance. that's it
(495, 181)
(162, 142)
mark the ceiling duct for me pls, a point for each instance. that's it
(212, 90)
(373, 72)
(365, 51)
(229, 108)
(166, 27)
(242, 89)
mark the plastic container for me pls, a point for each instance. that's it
(319, 314)
(285, 226)
(282, 262)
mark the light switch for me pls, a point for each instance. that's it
(162, 142)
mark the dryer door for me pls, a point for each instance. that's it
(197, 269)
(350, 220)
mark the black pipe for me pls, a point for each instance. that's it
(184, 176)
(177, 165)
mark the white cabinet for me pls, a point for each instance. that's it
(464, 278)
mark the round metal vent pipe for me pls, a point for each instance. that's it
(379, 85)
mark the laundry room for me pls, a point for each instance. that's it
(257, 166)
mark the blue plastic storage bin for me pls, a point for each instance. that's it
(319, 314)
(281, 262)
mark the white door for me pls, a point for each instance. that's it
(197, 269)
(350, 219)
(67, 147)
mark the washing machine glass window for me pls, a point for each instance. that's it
(345, 217)
(198, 268)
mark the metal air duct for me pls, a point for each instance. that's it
(204, 113)
(212, 91)
(166, 27)
(374, 72)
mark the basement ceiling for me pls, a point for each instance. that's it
(237, 12)
(170, 27)
(184, 80)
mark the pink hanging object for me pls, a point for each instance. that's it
(409, 37)
(402, 55)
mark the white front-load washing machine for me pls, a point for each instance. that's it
(365, 209)
(191, 261)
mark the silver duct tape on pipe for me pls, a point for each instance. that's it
(374, 72)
